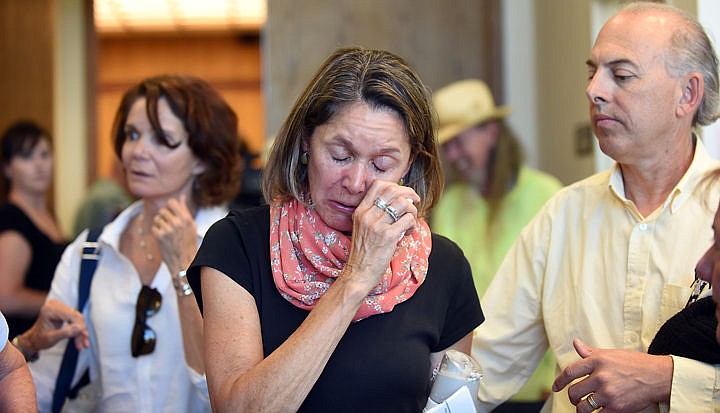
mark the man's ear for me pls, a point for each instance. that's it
(693, 87)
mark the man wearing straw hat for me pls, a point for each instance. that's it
(491, 196)
(609, 259)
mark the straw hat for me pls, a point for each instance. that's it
(465, 104)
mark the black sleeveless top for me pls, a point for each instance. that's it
(382, 363)
(45, 256)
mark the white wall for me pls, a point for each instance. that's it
(518, 28)
(543, 63)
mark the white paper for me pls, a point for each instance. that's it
(459, 402)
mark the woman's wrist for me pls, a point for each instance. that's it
(181, 284)
(25, 346)
(354, 288)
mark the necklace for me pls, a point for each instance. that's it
(143, 243)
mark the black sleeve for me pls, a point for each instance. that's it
(12, 218)
(237, 246)
(463, 312)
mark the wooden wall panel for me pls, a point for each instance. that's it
(26, 53)
(231, 63)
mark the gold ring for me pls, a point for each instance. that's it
(591, 401)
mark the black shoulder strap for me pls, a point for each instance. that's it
(90, 255)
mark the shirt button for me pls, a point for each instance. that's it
(631, 338)
(643, 226)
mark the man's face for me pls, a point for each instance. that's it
(632, 97)
(469, 151)
(708, 268)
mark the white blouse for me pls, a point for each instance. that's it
(4, 330)
(158, 382)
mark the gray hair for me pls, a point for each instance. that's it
(690, 51)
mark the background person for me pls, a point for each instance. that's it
(337, 297)
(493, 194)
(177, 140)
(31, 242)
(492, 197)
(106, 198)
(609, 259)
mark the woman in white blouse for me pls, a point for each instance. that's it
(177, 140)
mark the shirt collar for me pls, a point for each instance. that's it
(700, 164)
(204, 218)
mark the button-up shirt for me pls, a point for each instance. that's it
(158, 382)
(591, 266)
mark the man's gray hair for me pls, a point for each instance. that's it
(690, 51)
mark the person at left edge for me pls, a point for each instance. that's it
(177, 140)
(336, 297)
(17, 394)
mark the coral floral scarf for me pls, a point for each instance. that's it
(306, 256)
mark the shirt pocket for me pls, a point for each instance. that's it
(674, 298)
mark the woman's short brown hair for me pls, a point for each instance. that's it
(209, 121)
(349, 75)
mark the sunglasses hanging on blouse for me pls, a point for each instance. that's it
(143, 337)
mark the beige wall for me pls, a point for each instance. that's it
(70, 108)
(443, 40)
(562, 44)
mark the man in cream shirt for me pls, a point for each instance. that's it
(610, 258)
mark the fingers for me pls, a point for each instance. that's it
(175, 214)
(391, 203)
(575, 370)
(56, 321)
(396, 209)
(175, 230)
(591, 403)
(582, 349)
(75, 331)
(57, 313)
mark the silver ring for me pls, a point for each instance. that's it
(381, 203)
(591, 401)
(392, 212)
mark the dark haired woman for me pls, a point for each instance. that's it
(31, 242)
(177, 140)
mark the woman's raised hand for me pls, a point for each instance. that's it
(383, 217)
(176, 234)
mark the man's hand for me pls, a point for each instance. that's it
(619, 380)
(56, 321)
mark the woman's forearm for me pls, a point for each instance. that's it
(282, 381)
